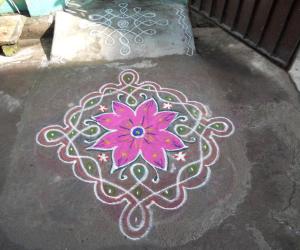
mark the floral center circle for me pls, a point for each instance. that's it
(137, 132)
(123, 24)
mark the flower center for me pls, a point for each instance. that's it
(137, 132)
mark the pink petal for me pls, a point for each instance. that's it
(154, 155)
(162, 120)
(108, 120)
(111, 140)
(124, 154)
(168, 141)
(122, 110)
(121, 119)
(145, 112)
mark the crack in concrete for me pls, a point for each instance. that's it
(289, 205)
(285, 223)
(293, 192)
(292, 195)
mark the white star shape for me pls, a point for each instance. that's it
(180, 156)
(102, 157)
(102, 108)
(167, 105)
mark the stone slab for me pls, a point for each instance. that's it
(91, 4)
(38, 27)
(133, 30)
(11, 29)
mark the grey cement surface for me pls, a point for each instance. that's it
(58, 202)
(88, 32)
(252, 199)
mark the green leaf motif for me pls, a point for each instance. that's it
(139, 171)
(193, 169)
(138, 192)
(90, 167)
(74, 118)
(182, 130)
(110, 190)
(218, 126)
(53, 134)
(127, 78)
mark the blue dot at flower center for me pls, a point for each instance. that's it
(137, 132)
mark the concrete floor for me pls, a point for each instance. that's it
(251, 201)
(89, 33)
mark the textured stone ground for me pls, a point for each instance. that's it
(251, 201)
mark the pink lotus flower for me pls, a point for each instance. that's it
(140, 132)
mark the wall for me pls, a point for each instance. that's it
(6, 7)
(34, 7)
